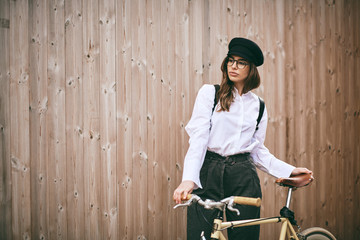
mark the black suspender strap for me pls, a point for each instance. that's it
(217, 87)
(261, 112)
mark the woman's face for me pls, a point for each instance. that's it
(238, 69)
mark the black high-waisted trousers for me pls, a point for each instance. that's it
(223, 177)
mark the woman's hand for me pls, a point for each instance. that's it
(183, 190)
(298, 171)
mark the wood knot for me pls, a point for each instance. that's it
(67, 22)
(41, 177)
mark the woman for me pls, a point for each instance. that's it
(226, 144)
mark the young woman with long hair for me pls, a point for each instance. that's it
(227, 144)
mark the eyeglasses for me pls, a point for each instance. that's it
(239, 63)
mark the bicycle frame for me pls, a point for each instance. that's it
(286, 219)
(287, 229)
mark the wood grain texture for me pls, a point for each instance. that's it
(57, 163)
(38, 119)
(74, 119)
(93, 207)
(95, 96)
(20, 121)
(5, 164)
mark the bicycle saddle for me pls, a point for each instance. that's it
(297, 181)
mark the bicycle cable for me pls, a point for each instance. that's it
(202, 214)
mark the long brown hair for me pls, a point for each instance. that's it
(225, 93)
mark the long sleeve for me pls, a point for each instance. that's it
(263, 159)
(198, 130)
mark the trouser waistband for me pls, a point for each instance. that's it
(237, 157)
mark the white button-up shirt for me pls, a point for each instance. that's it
(228, 133)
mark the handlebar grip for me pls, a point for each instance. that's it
(186, 198)
(248, 201)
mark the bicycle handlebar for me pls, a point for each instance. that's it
(291, 182)
(239, 200)
(248, 201)
(221, 205)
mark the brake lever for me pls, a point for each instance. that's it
(230, 204)
(194, 198)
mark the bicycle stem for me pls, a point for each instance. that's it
(288, 199)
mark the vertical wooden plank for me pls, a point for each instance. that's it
(169, 77)
(290, 86)
(314, 47)
(139, 114)
(233, 19)
(299, 83)
(38, 118)
(249, 22)
(91, 98)
(19, 101)
(331, 132)
(218, 40)
(182, 92)
(310, 114)
(349, 142)
(5, 164)
(259, 28)
(108, 119)
(354, 98)
(57, 163)
(165, 118)
(206, 42)
(168, 85)
(322, 172)
(168, 93)
(124, 104)
(271, 83)
(279, 114)
(341, 76)
(342, 91)
(344, 62)
(301, 87)
(74, 119)
(154, 124)
(196, 40)
(19, 118)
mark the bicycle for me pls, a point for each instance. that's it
(286, 215)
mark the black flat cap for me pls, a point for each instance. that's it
(247, 49)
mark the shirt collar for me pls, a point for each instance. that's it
(237, 95)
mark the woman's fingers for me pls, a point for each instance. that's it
(183, 190)
(300, 170)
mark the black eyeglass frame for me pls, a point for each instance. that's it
(240, 63)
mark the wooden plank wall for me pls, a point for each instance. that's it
(95, 96)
